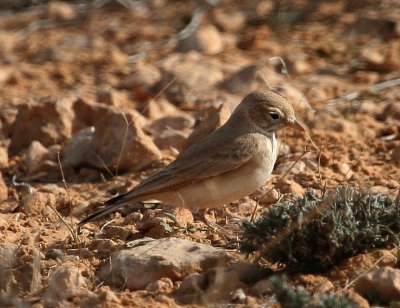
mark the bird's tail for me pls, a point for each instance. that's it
(110, 206)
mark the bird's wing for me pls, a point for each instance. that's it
(195, 165)
(206, 159)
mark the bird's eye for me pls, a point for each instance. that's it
(274, 115)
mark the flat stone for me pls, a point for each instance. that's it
(65, 283)
(48, 121)
(119, 143)
(171, 258)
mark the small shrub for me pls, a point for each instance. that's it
(299, 297)
(313, 233)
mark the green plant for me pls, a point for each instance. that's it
(313, 233)
(299, 297)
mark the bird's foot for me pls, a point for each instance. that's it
(224, 234)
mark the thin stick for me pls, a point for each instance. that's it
(106, 224)
(190, 28)
(260, 75)
(284, 68)
(376, 88)
(69, 201)
(102, 162)
(349, 284)
(76, 239)
(283, 176)
(123, 142)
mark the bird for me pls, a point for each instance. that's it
(227, 165)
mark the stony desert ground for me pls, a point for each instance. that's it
(97, 95)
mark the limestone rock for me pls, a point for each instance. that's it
(114, 98)
(353, 267)
(78, 151)
(245, 79)
(206, 40)
(217, 285)
(193, 70)
(162, 285)
(299, 167)
(357, 299)
(296, 98)
(287, 186)
(344, 169)
(102, 297)
(3, 189)
(88, 113)
(269, 196)
(38, 203)
(60, 11)
(65, 283)
(391, 111)
(3, 157)
(8, 261)
(48, 121)
(384, 282)
(230, 22)
(179, 122)
(215, 120)
(171, 138)
(159, 108)
(4, 223)
(35, 156)
(396, 155)
(171, 258)
(120, 143)
(141, 81)
(298, 63)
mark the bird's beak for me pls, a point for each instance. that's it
(297, 125)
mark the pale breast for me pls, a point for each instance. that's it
(230, 186)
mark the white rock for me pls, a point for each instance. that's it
(171, 258)
(65, 283)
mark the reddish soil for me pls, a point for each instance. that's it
(337, 48)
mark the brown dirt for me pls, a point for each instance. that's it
(330, 52)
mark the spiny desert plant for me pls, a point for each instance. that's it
(299, 297)
(313, 233)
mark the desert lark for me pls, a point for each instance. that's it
(229, 164)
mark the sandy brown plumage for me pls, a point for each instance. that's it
(229, 164)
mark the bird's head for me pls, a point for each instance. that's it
(270, 111)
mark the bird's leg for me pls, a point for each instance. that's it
(212, 225)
